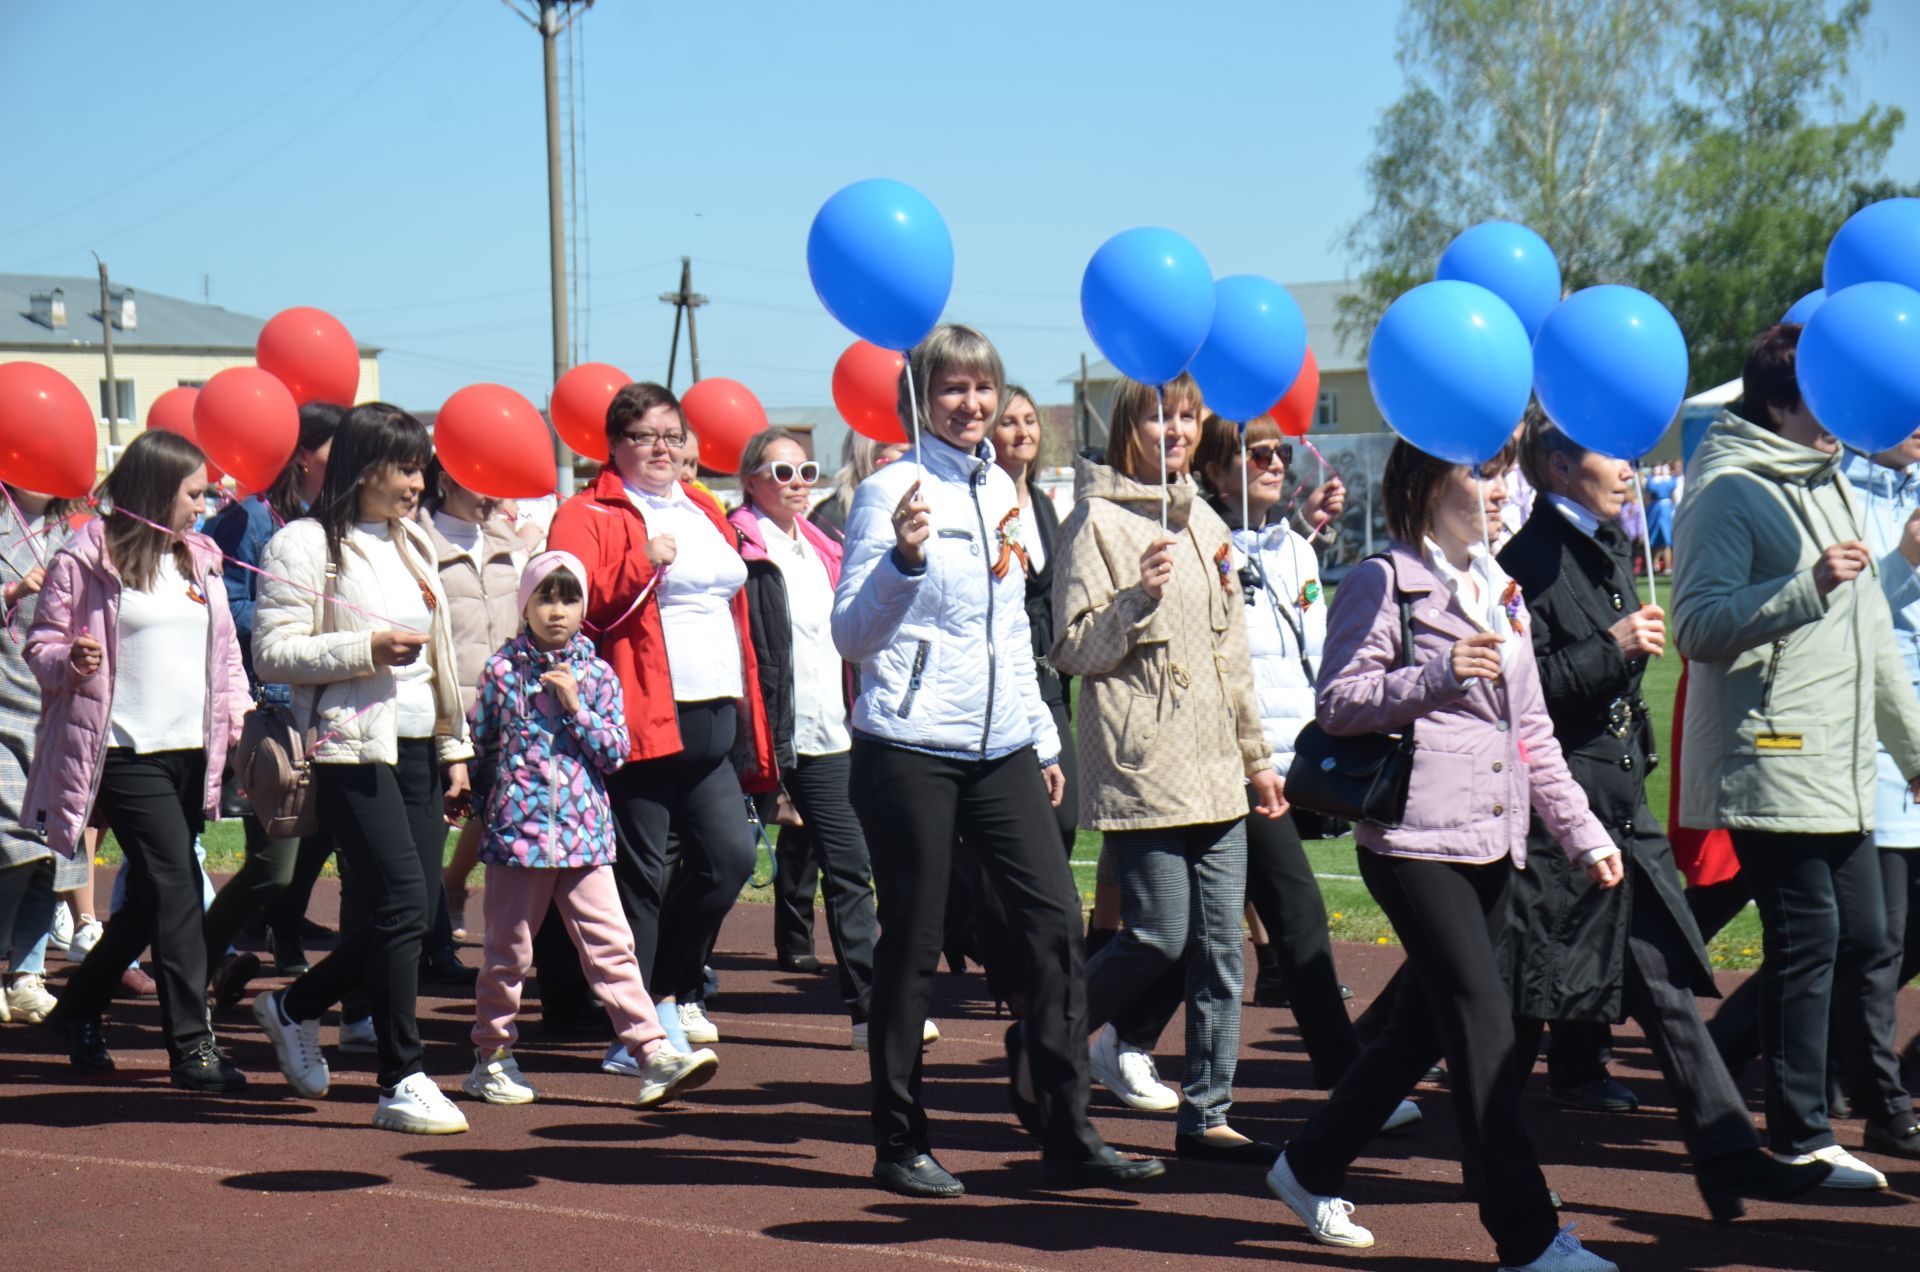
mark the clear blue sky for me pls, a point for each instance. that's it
(386, 160)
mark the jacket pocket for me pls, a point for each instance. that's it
(1139, 726)
(1445, 790)
(1779, 766)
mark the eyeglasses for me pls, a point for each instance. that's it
(1263, 454)
(783, 472)
(651, 441)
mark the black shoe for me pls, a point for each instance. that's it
(86, 1043)
(1269, 990)
(1028, 1111)
(1897, 1136)
(289, 959)
(1725, 1181)
(1105, 1169)
(800, 963)
(1602, 1095)
(206, 1070)
(311, 931)
(444, 967)
(917, 1177)
(1244, 1152)
(230, 979)
(586, 1021)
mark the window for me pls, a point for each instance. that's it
(129, 406)
(1329, 412)
(191, 384)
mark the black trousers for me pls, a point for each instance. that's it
(268, 871)
(675, 914)
(1448, 999)
(154, 803)
(1659, 995)
(1829, 954)
(389, 825)
(911, 806)
(831, 849)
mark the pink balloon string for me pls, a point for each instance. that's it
(1327, 471)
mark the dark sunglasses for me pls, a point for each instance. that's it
(783, 472)
(1264, 453)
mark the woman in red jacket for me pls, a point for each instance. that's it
(668, 614)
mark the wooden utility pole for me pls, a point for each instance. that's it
(106, 343)
(686, 300)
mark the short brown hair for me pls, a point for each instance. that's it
(1540, 440)
(948, 346)
(1411, 477)
(1134, 402)
(1769, 382)
(1220, 444)
(635, 400)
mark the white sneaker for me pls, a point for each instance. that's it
(668, 1073)
(619, 1061)
(1848, 1171)
(85, 937)
(693, 1019)
(357, 1037)
(1566, 1254)
(28, 1000)
(1326, 1217)
(62, 925)
(418, 1107)
(496, 1078)
(929, 1034)
(1406, 1113)
(296, 1046)
(1129, 1073)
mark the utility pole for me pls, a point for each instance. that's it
(686, 300)
(106, 343)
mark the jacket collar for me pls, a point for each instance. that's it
(492, 543)
(948, 462)
(521, 649)
(1899, 485)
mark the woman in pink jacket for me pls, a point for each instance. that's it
(129, 737)
(1485, 753)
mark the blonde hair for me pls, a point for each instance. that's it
(1133, 403)
(948, 347)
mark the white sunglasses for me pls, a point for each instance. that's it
(783, 471)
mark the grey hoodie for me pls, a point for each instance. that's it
(1789, 691)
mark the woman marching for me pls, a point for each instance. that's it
(353, 616)
(1468, 687)
(950, 735)
(130, 736)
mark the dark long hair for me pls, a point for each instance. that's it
(371, 437)
(146, 482)
(319, 421)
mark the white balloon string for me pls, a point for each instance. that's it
(913, 411)
(1160, 409)
(1646, 535)
(1246, 479)
(1486, 543)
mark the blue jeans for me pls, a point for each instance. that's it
(1182, 893)
(26, 915)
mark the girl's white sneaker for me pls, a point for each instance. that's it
(1328, 1219)
(668, 1072)
(496, 1078)
(418, 1107)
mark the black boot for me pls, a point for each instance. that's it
(444, 967)
(1724, 1181)
(86, 1042)
(206, 1070)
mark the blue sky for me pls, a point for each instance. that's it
(386, 161)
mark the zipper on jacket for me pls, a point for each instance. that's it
(913, 681)
(974, 483)
(1773, 670)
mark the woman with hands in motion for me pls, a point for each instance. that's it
(950, 735)
(1485, 755)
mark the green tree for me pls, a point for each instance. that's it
(1546, 112)
(1763, 170)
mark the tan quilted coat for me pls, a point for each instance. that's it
(1169, 721)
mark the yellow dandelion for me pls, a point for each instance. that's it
(1338, 915)
(1380, 940)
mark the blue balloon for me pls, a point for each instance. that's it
(1254, 349)
(1451, 370)
(1512, 262)
(1147, 300)
(1879, 244)
(881, 261)
(1610, 368)
(1859, 365)
(1803, 308)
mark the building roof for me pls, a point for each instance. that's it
(164, 322)
(1319, 305)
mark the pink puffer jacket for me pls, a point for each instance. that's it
(82, 596)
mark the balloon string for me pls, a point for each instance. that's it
(1246, 479)
(913, 412)
(1327, 472)
(1160, 411)
(1646, 536)
(1486, 543)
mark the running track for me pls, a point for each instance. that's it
(766, 1168)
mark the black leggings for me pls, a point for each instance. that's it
(390, 828)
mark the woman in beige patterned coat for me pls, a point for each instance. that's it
(1151, 616)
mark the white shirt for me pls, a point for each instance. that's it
(1578, 514)
(1030, 538)
(703, 646)
(819, 701)
(1478, 588)
(160, 664)
(406, 605)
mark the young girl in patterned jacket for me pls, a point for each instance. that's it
(549, 711)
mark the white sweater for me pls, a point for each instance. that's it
(1287, 606)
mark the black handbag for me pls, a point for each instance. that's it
(1362, 778)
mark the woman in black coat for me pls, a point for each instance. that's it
(1572, 951)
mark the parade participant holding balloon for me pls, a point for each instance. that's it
(792, 567)
(860, 458)
(351, 613)
(951, 735)
(1171, 742)
(1794, 676)
(1574, 952)
(131, 735)
(277, 875)
(667, 609)
(1470, 690)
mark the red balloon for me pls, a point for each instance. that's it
(1295, 412)
(47, 438)
(247, 423)
(494, 443)
(579, 406)
(312, 354)
(866, 389)
(172, 412)
(723, 414)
